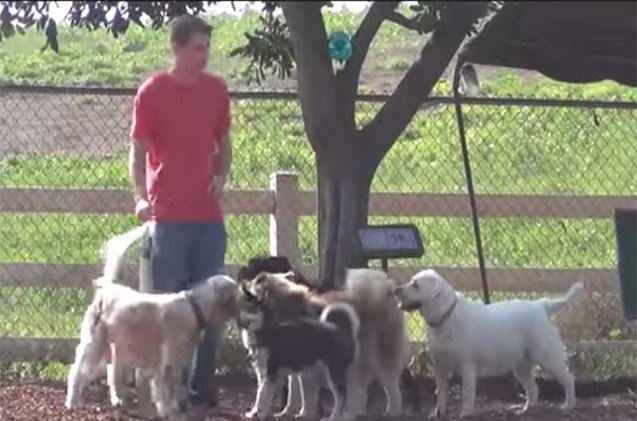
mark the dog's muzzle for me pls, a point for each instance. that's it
(409, 306)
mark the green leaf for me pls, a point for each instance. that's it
(7, 29)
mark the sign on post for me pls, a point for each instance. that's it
(393, 241)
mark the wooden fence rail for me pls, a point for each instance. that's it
(285, 204)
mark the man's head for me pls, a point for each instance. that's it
(190, 40)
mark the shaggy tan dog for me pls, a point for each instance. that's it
(156, 333)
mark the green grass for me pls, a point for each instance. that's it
(514, 150)
(96, 58)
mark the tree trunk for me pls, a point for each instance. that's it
(346, 158)
(343, 208)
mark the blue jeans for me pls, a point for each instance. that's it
(181, 254)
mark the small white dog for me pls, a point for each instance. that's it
(156, 333)
(475, 340)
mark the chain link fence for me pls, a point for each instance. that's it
(545, 173)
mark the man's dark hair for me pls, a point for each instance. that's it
(184, 27)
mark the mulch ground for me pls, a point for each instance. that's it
(23, 399)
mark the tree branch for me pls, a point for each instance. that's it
(422, 76)
(422, 23)
(349, 77)
(315, 79)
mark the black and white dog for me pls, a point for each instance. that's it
(298, 344)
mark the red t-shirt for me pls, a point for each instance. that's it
(181, 126)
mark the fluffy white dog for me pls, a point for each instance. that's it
(474, 340)
(156, 333)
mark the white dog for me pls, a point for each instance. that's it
(156, 333)
(474, 340)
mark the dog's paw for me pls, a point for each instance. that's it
(251, 414)
(116, 402)
(437, 414)
(519, 409)
(303, 414)
(286, 413)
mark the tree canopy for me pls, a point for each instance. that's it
(268, 49)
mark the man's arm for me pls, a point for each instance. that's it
(140, 134)
(137, 169)
(223, 160)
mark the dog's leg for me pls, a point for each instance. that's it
(259, 363)
(88, 355)
(144, 398)
(310, 385)
(155, 389)
(171, 387)
(357, 385)
(442, 391)
(525, 373)
(161, 393)
(391, 385)
(338, 386)
(468, 390)
(565, 378)
(264, 397)
(170, 381)
(294, 395)
(409, 385)
(115, 377)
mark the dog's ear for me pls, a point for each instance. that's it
(283, 264)
(246, 293)
(290, 276)
(261, 278)
(261, 286)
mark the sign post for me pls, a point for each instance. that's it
(393, 241)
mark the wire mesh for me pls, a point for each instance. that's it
(541, 172)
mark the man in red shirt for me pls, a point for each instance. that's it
(179, 161)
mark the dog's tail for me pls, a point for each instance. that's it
(552, 305)
(372, 288)
(114, 251)
(343, 316)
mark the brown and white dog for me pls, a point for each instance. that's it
(384, 345)
(156, 333)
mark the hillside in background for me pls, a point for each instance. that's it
(97, 59)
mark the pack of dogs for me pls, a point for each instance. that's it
(303, 338)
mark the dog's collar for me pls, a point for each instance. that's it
(196, 308)
(445, 316)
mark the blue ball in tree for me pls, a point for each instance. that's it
(340, 46)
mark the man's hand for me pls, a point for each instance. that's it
(143, 210)
(217, 186)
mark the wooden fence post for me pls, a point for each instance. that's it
(284, 219)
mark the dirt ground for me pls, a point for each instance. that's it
(22, 399)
